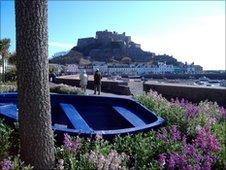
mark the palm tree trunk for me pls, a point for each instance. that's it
(36, 135)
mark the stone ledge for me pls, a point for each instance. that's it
(107, 86)
(191, 93)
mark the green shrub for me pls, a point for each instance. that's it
(8, 87)
(173, 114)
(5, 135)
(61, 88)
(190, 118)
(14, 163)
(65, 89)
(139, 148)
(79, 153)
(11, 75)
(193, 138)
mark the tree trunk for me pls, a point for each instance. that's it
(36, 135)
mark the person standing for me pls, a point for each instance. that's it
(97, 81)
(83, 80)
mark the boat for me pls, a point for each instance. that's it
(223, 83)
(90, 115)
(214, 81)
(199, 83)
(204, 78)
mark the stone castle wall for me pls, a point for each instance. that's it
(104, 37)
(83, 42)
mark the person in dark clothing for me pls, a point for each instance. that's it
(97, 82)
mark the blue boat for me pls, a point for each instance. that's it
(90, 115)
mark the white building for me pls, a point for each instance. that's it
(164, 68)
(102, 66)
(119, 69)
(1, 65)
(193, 69)
(60, 53)
(72, 68)
(88, 68)
(130, 69)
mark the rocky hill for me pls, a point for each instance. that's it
(71, 57)
(110, 46)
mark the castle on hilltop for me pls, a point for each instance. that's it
(116, 49)
(107, 37)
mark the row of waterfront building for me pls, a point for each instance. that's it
(136, 69)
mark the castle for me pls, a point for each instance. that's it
(110, 46)
(107, 37)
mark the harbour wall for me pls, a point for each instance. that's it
(215, 76)
(192, 93)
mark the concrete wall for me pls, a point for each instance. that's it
(107, 86)
(218, 76)
(191, 93)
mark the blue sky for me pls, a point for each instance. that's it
(188, 30)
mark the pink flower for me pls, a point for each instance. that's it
(189, 149)
(223, 113)
(6, 164)
(60, 164)
(162, 160)
(176, 135)
(70, 144)
(206, 140)
(171, 162)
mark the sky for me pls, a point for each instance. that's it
(192, 31)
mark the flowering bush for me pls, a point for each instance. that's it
(14, 163)
(202, 125)
(6, 164)
(113, 160)
(79, 153)
(5, 134)
(193, 138)
(198, 154)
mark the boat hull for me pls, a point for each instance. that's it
(90, 115)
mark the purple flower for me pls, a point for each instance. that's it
(189, 149)
(99, 137)
(162, 134)
(223, 113)
(67, 141)
(112, 161)
(6, 164)
(70, 144)
(162, 160)
(182, 160)
(60, 164)
(206, 140)
(191, 111)
(197, 166)
(176, 135)
(207, 165)
(184, 140)
(188, 167)
(171, 162)
(197, 157)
